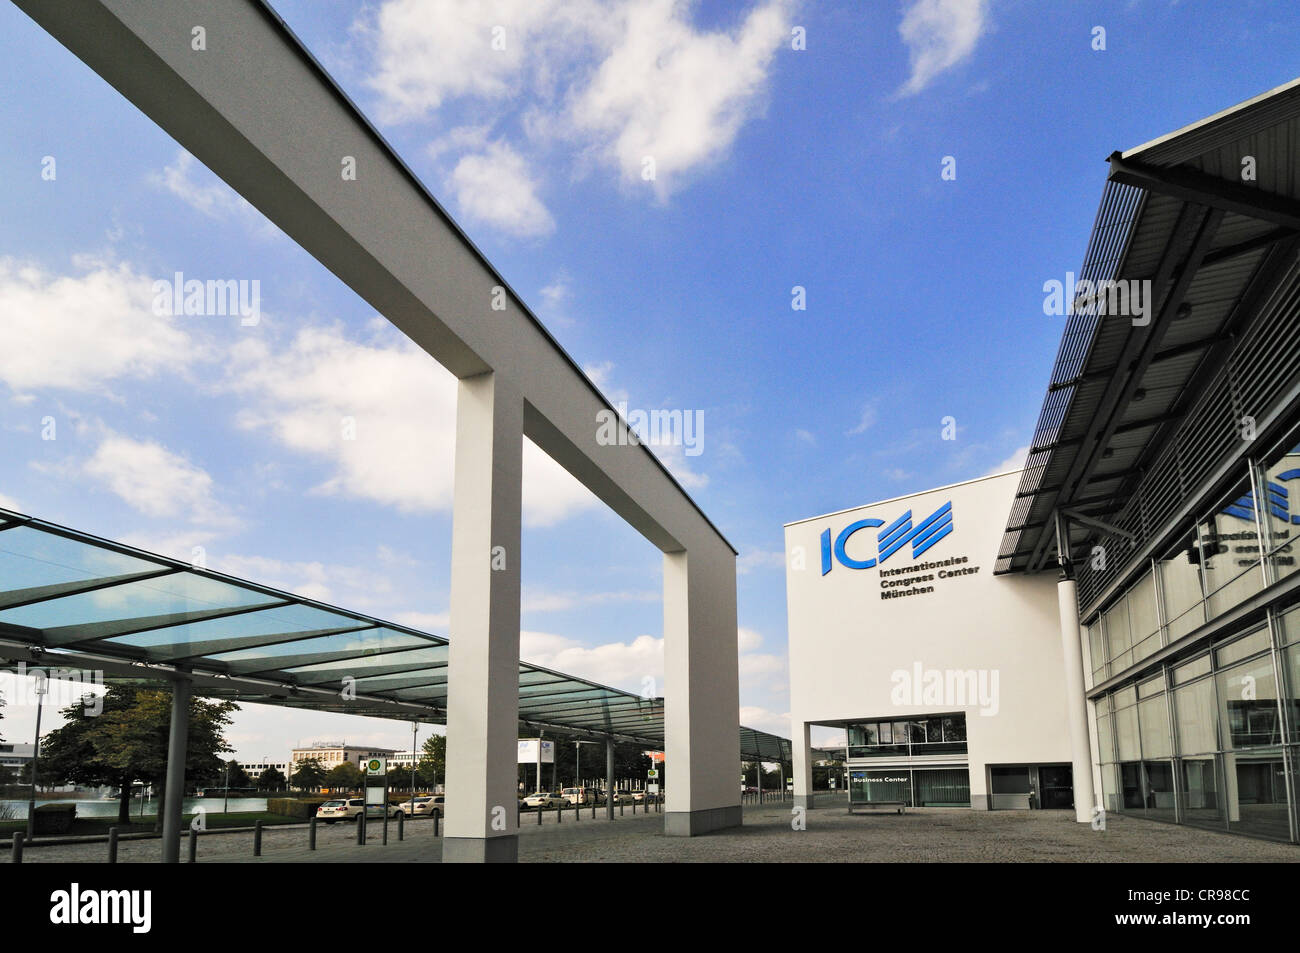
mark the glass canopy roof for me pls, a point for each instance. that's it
(71, 600)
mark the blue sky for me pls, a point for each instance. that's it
(774, 168)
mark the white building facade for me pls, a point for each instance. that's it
(945, 677)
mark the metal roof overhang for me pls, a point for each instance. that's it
(1177, 213)
(75, 602)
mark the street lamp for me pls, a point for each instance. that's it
(42, 686)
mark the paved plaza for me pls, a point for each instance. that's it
(930, 835)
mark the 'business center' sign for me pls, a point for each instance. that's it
(906, 580)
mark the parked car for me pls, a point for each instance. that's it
(424, 806)
(348, 809)
(643, 796)
(622, 797)
(582, 796)
(545, 800)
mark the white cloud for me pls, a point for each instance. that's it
(9, 503)
(622, 665)
(777, 723)
(325, 582)
(670, 92)
(866, 421)
(625, 79)
(191, 182)
(1016, 461)
(157, 482)
(940, 34)
(544, 601)
(805, 436)
(752, 559)
(428, 51)
(495, 187)
(78, 332)
(400, 408)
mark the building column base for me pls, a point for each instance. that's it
(481, 850)
(694, 823)
(805, 801)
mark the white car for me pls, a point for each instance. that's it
(347, 810)
(544, 799)
(424, 806)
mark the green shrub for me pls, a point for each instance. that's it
(55, 818)
(294, 807)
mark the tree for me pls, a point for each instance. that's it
(433, 761)
(308, 774)
(234, 776)
(270, 780)
(345, 775)
(128, 742)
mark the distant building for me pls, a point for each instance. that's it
(331, 755)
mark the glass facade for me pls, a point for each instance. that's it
(915, 787)
(1209, 736)
(914, 738)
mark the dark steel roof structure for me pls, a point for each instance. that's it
(73, 601)
(1138, 414)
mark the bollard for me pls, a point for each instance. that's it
(593, 809)
(257, 839)
(620, 808)
(634, 807)
(437, 817)
(539, 815)
(401, 823)
(361, 828)
(112, 845)
(18, 847)
(311, 833)
(384, 841)
(577, 811)
(194, 845)
(559, 813)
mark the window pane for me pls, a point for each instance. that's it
(1181, 580)
(1202, 801)
(1154, 718)
(1126, 731)
(1239, 649)
(1105, 740)
(1117, 632)
(1248, 704)
(1281, 508)
(1195, 715)
(1256, 793)
(1230, 552)
(954, 728)
(1142, 619)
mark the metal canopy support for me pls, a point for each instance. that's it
(1190, 185)
(1169, 287)
(609, 778)
(174, 788)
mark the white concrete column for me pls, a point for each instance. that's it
(801, 750)
(483, 664)
(1076, 706)
(702, 695)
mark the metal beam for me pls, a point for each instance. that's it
(1190, 185)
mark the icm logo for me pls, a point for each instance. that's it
(890, 539)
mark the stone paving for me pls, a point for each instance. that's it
(940, 835)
